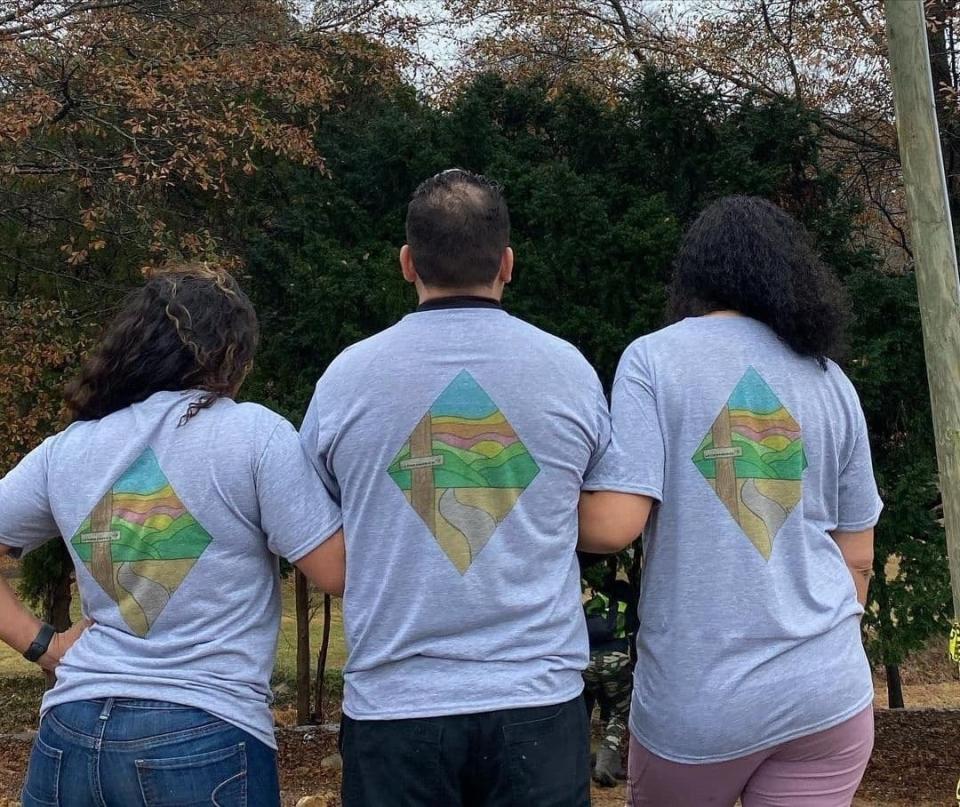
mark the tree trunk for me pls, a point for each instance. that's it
(56, 609)
(894, 686)
(886, 633)
(322, 661)
(303, 648)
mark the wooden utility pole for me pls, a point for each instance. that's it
(938, 284)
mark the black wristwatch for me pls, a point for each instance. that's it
(41, 644)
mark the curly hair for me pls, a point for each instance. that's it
(746, 254)
(189, 327)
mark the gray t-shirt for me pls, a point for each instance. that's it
(750, 630)
(457, 442)
(174, 532)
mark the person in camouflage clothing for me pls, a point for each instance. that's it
(608, 680)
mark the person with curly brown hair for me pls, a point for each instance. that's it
(751, 447)
(174, 502)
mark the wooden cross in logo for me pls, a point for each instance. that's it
(102, 538)
(724, 453)
(421, 463)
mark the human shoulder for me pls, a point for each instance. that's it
(645, 350)
(76, 435)
(45, 449)
(351, 363)
(845, 394)
(542, 344)
(836, 375)
(253, 425)
(253, 413)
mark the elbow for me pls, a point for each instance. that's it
(862, 565)
(610, 522)
(329, 584)
(860, 560)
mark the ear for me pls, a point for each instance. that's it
(506, 266)
(406, 264)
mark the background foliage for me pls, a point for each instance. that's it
(291, 148)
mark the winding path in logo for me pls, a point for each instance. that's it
(148, 594)
(476, 525)
(770, 512)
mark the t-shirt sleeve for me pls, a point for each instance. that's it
(602, 429)
(634, 460)
(858, 501)
(317, 437)
(26, 519)
(297, 514)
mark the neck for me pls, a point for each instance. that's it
(428, 294)
(726, 312)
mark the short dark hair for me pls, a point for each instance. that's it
(745, 253)
(458, 226)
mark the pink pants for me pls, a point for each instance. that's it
(820, 770)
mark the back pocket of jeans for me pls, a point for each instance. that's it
(42, 785)
(217, 778)
(549, 758)
(392, 762)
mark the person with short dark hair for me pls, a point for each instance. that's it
(174, 502)
(457, 442)
(458, 226)
(751, 680)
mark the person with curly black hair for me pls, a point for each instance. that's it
(174, 502)
(740, 450)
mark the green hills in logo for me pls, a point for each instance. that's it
(754, 460)
(140, 542)
(462, 469)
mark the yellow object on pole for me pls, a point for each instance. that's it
(938, 284)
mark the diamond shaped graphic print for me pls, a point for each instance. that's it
(140, 542)
(462, 469)
(753, 458)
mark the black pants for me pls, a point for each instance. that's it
(536, 757)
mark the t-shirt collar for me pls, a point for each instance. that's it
(459, 301)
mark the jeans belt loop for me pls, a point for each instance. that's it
(107, 708)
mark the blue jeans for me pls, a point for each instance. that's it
(130, 753)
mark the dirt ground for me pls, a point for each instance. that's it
(916, 762)
(916, 759)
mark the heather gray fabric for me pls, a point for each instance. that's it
(458, 441)
(174, 531)
(750, 624)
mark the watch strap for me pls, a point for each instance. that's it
(41, 644)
